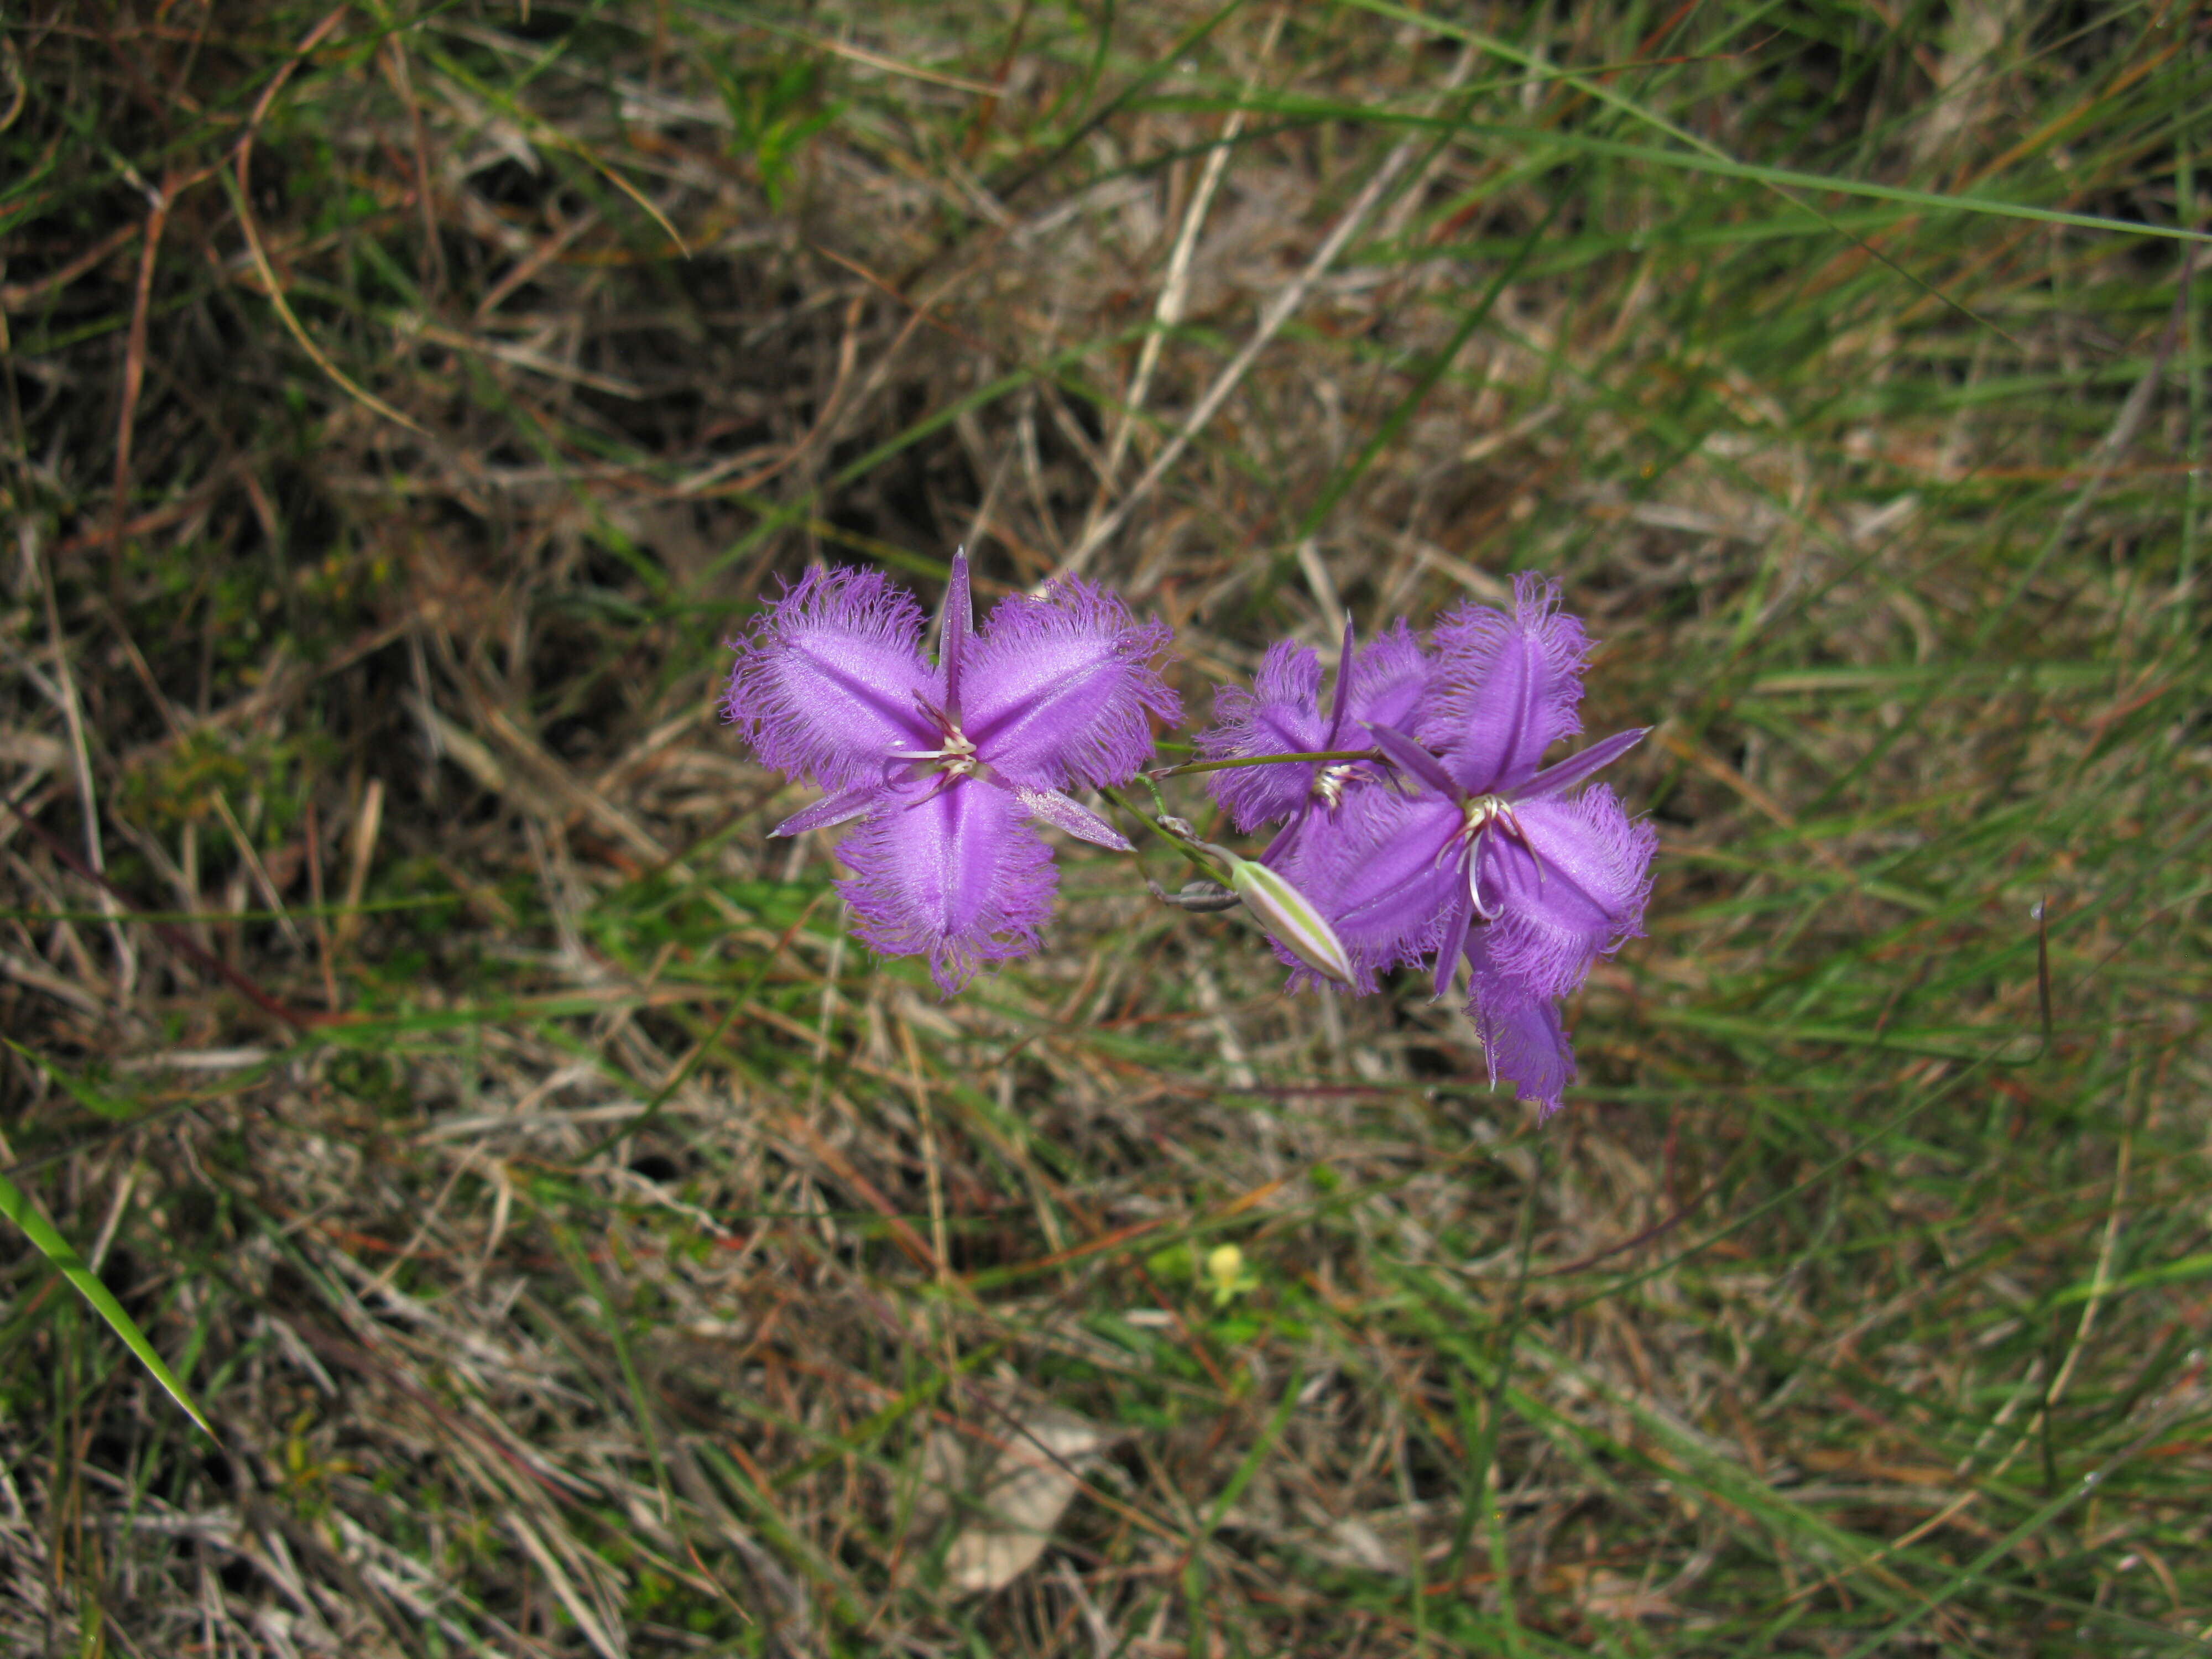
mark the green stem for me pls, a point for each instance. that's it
(1263, 759)
(1190, 850)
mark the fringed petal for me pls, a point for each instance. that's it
(830, 811)
(1522, 1036)
(1389, 683)
(954, 873)
(826, 679)
(1057, 691)
(1382, 868)
(1507, 688)
(1280, 715)
(1575, 891)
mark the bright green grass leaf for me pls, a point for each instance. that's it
(17, 1207)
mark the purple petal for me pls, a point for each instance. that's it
(959, 626)
(1072, 815)
(826, 681)
(1384, 870)
(829, 811)
(1389, 680)
(1058, 690)
(1282, 852)
(1576, 891)
(1553, 780)
(1452, 940)
(953, 872)
(1506, 688)
(1522, 1035)
(1280, 715)
(1417, 762)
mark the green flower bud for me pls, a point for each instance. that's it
(1289, 915)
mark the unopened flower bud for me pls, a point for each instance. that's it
(1290, 916)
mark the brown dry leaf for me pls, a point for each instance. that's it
(1613, 1596)
(1601, 1593)
(1012, 1480)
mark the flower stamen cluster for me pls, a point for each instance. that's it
(1477, 815)
(1331, 782)
(955, 756)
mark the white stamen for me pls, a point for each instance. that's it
(956, 759)
(1481, 812)
(1330, 782)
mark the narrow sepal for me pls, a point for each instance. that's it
(952, 637)
(1409, 757)
(1452, 941)
(1062, 812)
(829, 811)
(1553, 780)
(1341, 701)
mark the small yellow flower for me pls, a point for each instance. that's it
(1225, 1275)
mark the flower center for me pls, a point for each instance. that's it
(1328, 784)
(954, 755)
(1482, 810)
(1478, 814)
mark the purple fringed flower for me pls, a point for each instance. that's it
(1282, 715)
(944, 765)
(1482, 853)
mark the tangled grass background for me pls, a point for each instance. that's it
(581, 1247)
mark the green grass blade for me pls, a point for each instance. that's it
(17, 1207)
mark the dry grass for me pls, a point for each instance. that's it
(584, 1248)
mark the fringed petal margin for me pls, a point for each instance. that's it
(1057, 691)
(1280, 715)
(1507, 688)
(954, 873)
(826, 680)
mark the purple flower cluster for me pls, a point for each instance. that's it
(1457, 841)
(944, 765)
(1433, 831)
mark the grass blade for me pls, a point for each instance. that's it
(17, 1207)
